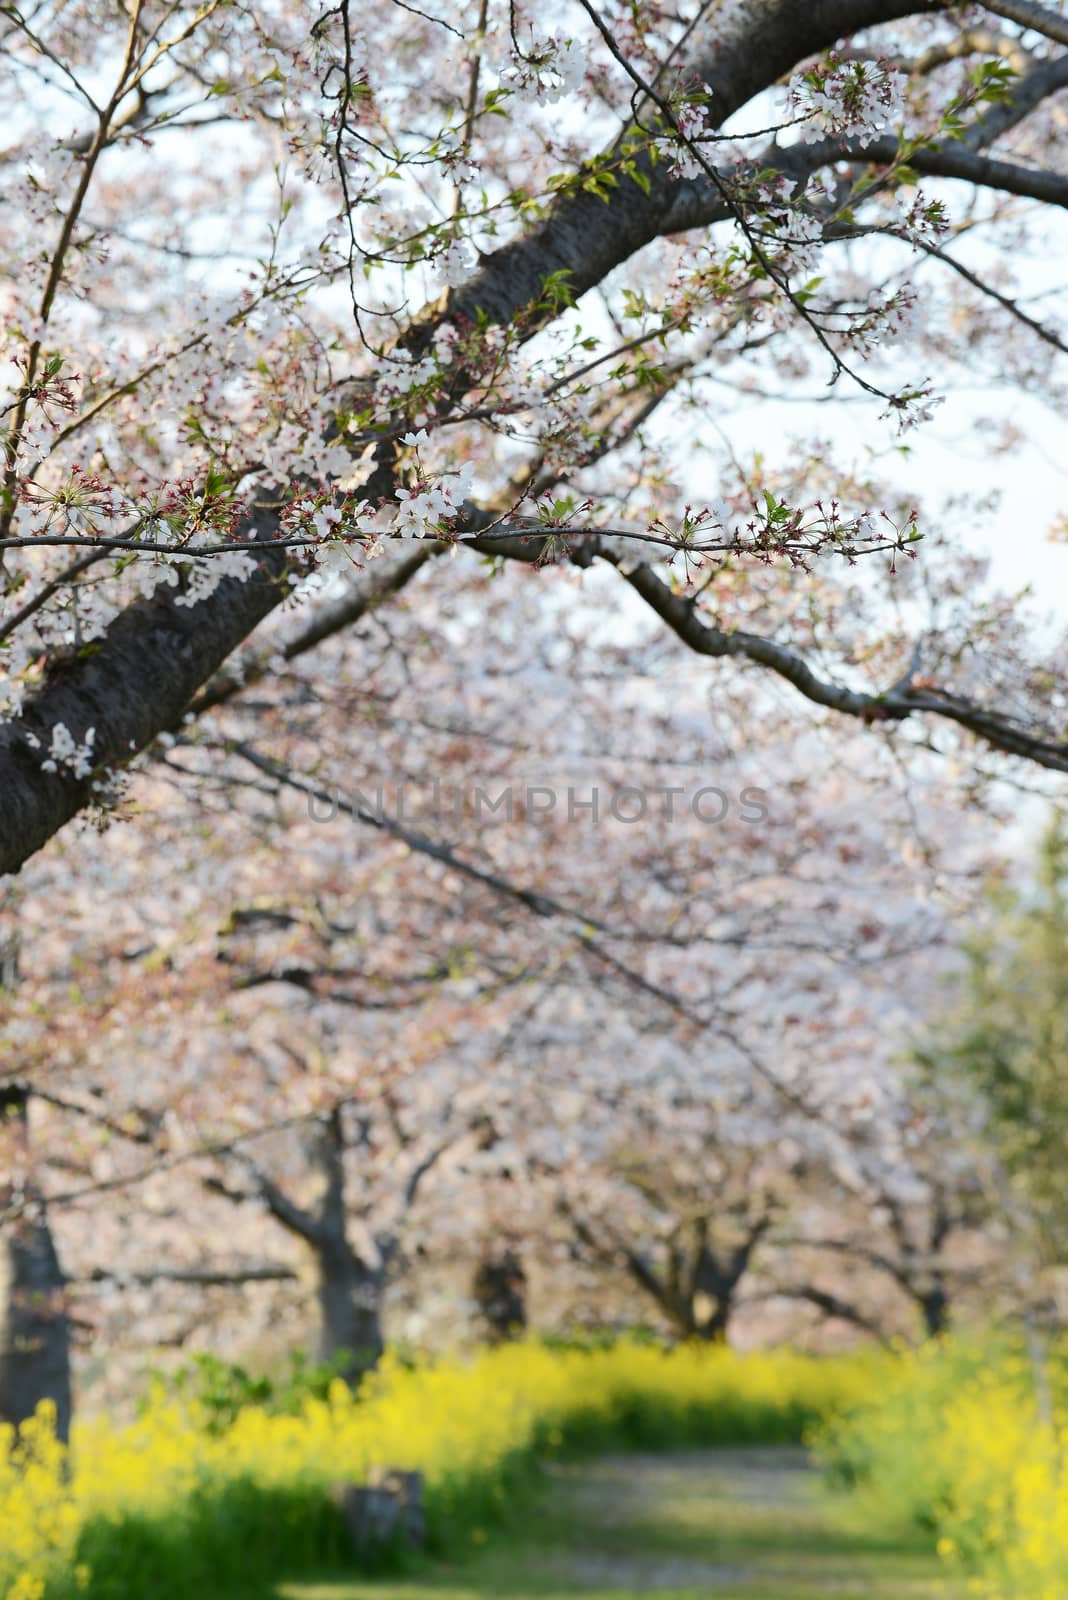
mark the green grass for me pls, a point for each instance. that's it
(736, 1524)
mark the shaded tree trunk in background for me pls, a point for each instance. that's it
(695, 1285)
(934, 1308)
(349, 1289)
(918, 1268)
(34, 1327)
(350, 1295)
(350, 1282)
(710, 1280)
(932, 1293)
(34, 1323)
(500, 1291)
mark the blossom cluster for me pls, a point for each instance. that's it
(691, 122)
(546, 69)
(66, 752)
(912, 407)
(848, 99)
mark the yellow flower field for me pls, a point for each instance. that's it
(959, 1439)
(460, 1422)
(948, 1437)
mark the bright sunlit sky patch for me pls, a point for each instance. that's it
(949, 456)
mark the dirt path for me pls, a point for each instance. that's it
(730, 1523)
(742, 1524)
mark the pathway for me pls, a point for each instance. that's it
(740, 1524)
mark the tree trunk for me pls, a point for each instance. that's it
(350, 1310)
(714, 1280)
(711, 1324)
(500, 1291)
(34, 1324)
(934, 1308)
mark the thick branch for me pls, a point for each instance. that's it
(136, 681)
(738, 53)
(422, 1168)
(897, 705)
(330, 1223)
(831, 1305)
(1030, 15)
(698, 202)
(284, 1210)
(742, 1254)
(199, 1277)
(952, 160)
(615, 1249)
(859, 1252)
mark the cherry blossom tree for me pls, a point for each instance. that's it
(285, 1039)
(689, 1236)
(351, 1273)
(284, 291)
(909, 1211)
(859, 1209)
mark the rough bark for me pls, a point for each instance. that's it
(137, 681)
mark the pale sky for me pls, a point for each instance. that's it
(947, 456)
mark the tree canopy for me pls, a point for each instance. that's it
(297, 306)
(1005, 1042)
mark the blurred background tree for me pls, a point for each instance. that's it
(1004, 1043)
